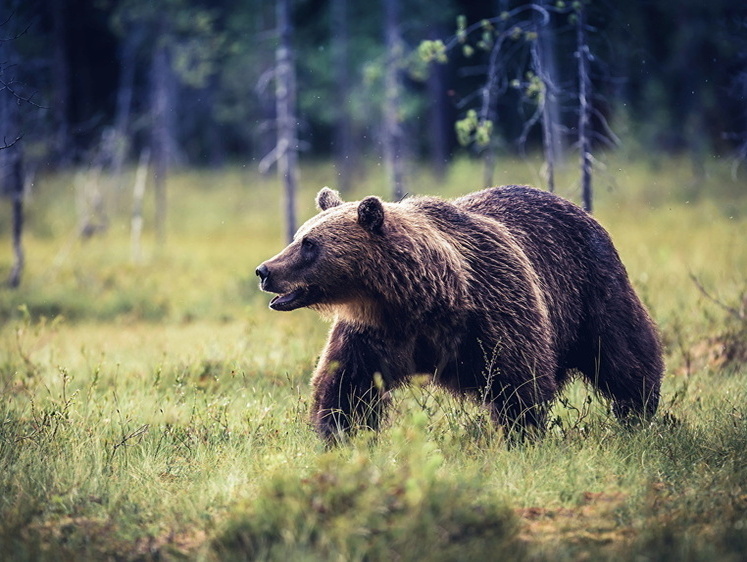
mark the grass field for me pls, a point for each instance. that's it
(158, 410)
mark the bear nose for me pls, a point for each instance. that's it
(262, 272)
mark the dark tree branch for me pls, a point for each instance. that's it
(17, 35)
(7, 144)
(7, 86)
(738, 314)
(460, 37)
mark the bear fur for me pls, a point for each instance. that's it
(499, 295)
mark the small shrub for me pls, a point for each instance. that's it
(360, 511)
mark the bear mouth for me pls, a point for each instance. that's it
(291, 301)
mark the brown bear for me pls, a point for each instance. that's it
(499, 296)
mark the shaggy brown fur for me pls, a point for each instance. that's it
(498, 295)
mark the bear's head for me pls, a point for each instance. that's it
(370, 262)
(324, 264)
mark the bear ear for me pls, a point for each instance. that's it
(327, 198)
(371, 214)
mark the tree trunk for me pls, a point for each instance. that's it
(60, 84)
(393, 135)
(128, 50)
(438, 119)
(547, 122)
(214, 134)
(160, 135)
(16, 194)
(490, 158)
(343, 139)
(547, 70)
(584, 108)
(11, 158)
(547, 142)
(136, 224)
(488, 111)
(285, 99)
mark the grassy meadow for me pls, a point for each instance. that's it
(158, 409)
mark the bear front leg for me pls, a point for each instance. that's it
(521, 420)
(348, 384)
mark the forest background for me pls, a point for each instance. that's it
(154, 408)
(88, 75)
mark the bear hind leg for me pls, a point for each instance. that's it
(629, 377)
(640, 406)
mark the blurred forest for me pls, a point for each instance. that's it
(101, 84)
(95, 81)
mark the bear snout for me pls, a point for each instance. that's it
(262, 272)
(271, 280)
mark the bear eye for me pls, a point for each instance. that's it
(308, 248)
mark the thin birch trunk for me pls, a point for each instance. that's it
(584, 125)
(393, 136)
(60, 84)
(138, 194)
(128, 50)
(285, 99)
(343, 140)
(16, 191)
(160, 136)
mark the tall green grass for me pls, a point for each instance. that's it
(159, 410)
